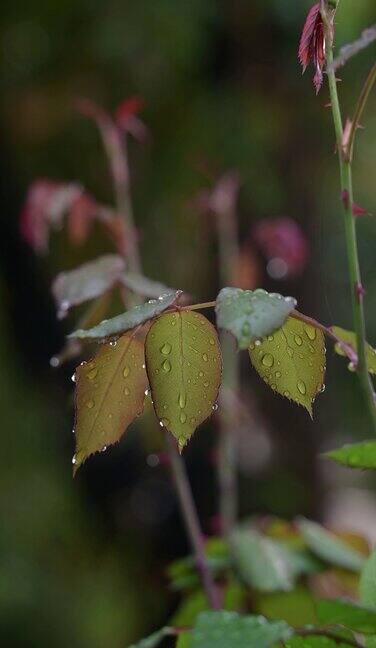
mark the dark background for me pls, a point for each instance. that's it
(83, 563)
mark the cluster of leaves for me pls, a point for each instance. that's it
(274, 580)
(174, 351)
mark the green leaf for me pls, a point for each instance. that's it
(154, 639)
(110, 393)
(350, 338)
(184, 640)
(262, 563)
(368, 581)
(346, 613)
(225, 629)
(292, 361)
(128, 320)
(89, 281)
(144, 286)
(356, 455)
(315, 642)
(184, 365)
(297, 607)
(330, 548)
(251, 314)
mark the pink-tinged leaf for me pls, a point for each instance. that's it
(357, 210)
(80, 219)
(110, 394)
(284, 245)
(312, 47)
(89, 281)
(128, 108)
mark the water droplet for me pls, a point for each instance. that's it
(181, 443)
(252, 346)
(270, 338)
(173, 321)
(161, 423)
(205, 357)
(310, 332)
(113, 343)
(278, 374)
(147, 392)
(104, 449)
(144, 366)
(183, 417)
(200, 373)
(126, 391)
(110, 415)
(90, 404)
(290, 352)
(212, 341)
(258, 342)
(74, 459)
(54, 361)
(193, 420)
(351, 366)
(182, 400)
(206, 384)
(215, 407)
(92, 373)
(126, 372)
(166, 366)
(301, 387)
(287, 394)
(267, 360)
(166, 349)
(73, 378)
(298, 340)
(166, 421)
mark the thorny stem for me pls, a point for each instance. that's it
(117, 154)
(192, 523)
(227, 462)
(357, 292)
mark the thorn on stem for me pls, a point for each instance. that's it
(359, 291)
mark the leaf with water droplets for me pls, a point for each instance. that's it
(292, 361)
(87, 282)
(356, 455)
(110, 393)
(184, 365)
(350, 338)
(251, 314)
(229, 629)
(130, 319)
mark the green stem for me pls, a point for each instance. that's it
(351, 238)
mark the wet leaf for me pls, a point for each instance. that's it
(251, 314)
(89, 281)
(224, 629)
(128, 320)
(346, 613)
(292, 361)
(355, 455)
(184, 365)
(330, 548)
(110, 393)
(143, 286)
(350, 338)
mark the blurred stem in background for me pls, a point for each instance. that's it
(357, 290)
(116, 149)
(224, 206)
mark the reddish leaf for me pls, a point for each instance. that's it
(311, 47)
(357, 210)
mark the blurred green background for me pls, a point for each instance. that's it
(83, 563)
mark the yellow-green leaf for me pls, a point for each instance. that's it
(292, 361)
(110, 393)
(350, 338)
(184, 366)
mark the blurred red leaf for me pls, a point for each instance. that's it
(284, 245)
(311, 47)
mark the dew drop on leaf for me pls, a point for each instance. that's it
(182, 400)
(183, 417)
(126, 391)
(205, 357)
(301, 386)
(298, 340)
(90, 404)
(166, 366)
(126, 372)
(267, 360)
(92, 373)
(166, 349)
